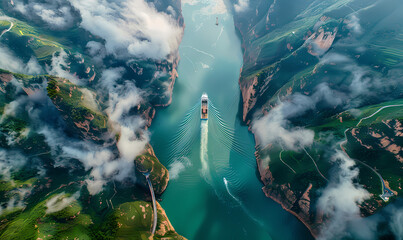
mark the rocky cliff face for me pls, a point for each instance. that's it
(148, 163)
(76, 102)
(311, 73)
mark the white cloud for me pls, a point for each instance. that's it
(340, 198)
(129, 144)
(11, 108)
(33, 67)
(10, 161)
(60, 202)
(190, 2)
(126, 29)
(96, 50)
(91, 159)
(242, 5)
(178, 166)
(274, 128)
(16, 199)
(333, 58)
(59, 67)
(104, 163)
(94, 158)
(59, 18)
(10, 62)
(205, 66)
(363, 84)
(57, 13)
(123, 98)
(354, 24)
(20, 7)
(131, 26)
(89, 99)
(96, 185)
(396, 223)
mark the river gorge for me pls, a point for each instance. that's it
(201, 119)
(214, 190)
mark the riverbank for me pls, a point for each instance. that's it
(199, 202)
(300, 94)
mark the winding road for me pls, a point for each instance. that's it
(7, 30)
(281, 159)
(386, 192)
(380, 109)
(317, 168)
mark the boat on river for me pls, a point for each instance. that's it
(204, 107)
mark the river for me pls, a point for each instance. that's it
(214, 191)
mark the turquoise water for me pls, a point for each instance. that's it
(214, 191)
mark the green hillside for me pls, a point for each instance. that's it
(335, 67)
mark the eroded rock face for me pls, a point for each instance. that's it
(173, 75)
(304, 202)
(5, 78)
(297, 203)
(320, 41)
(248, 96)
(292, 54)
(299, 206)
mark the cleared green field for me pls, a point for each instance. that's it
(37, 223)
(41, 44)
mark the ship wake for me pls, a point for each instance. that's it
(204, 149)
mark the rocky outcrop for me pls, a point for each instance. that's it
(149, 163)
(5, 78)
(248, 96)
(319, 42)
(298, 204)
(173, 75)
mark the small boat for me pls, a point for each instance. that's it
(204, 107)
(216, 21)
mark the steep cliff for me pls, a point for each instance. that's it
(76, 100)
(317, 73)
